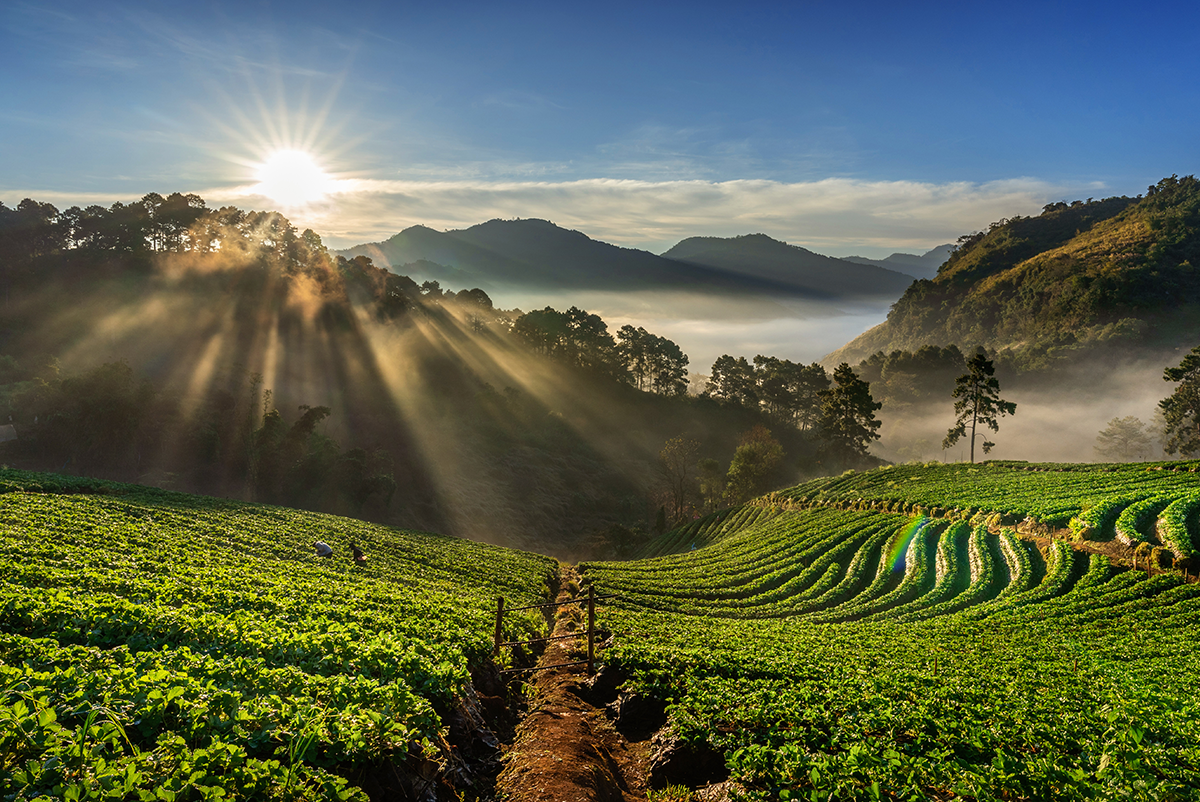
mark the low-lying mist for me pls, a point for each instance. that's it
(1059, 414)
(707, 326)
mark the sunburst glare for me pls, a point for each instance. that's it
(293, 178)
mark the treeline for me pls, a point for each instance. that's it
(109, 422)
(836, 411)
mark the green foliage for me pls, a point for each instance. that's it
(789, 393)
(847, 424)
(1084, 275)
(753, 467)
(161, 646)
(1181, 410)
(843, 649)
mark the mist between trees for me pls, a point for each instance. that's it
(223, 352)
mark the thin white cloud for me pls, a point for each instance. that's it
(835, 216)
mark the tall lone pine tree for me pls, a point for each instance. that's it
(977, 402)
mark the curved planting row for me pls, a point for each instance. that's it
(844, 650)
(1178, 525)
(1047, 494)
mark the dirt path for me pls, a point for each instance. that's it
(565, 749)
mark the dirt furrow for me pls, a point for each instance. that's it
(566, 749)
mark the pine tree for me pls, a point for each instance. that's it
(1181, 410)
(848, 423)
(977, 402)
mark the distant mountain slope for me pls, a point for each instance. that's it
(924, 266)
(1115, 270)
(759, 256)
(537, 253)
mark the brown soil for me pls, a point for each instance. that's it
(566, 749)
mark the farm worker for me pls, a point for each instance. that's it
(323, 549)
(359, 557)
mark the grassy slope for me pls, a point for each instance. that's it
(157, 643)
(1077, 275)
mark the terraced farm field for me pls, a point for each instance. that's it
(912, 633)
(157, 646)
(892, 635)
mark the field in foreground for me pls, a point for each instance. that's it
(157, 646)
(917, 632)
(892, 635)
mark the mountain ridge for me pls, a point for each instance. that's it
(764, 257)
(924, 265)
(537, 253)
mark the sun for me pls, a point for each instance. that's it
(292, 178)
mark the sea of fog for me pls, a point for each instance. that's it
(707, 326)
(1057, 420)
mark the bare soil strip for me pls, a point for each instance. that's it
(566, 749)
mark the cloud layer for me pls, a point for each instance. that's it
(836, 216)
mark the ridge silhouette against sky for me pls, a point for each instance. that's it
(861, 128)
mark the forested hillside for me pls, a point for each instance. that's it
(225, 352)
(1114, 272)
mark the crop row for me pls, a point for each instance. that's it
(161, 646)
(1050, 497)
(847, 651)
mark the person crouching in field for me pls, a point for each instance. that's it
(359, 557)
(323, 549)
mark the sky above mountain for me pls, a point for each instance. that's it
(842, 127)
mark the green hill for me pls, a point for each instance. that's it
(1120, 271)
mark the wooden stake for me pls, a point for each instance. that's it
(499, 625)
(591, 628)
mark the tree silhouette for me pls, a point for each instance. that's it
(676, 462)
(847, 424)
(1181, 410)
(1124, 440)
(977, 402)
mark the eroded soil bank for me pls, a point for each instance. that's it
(566, 748)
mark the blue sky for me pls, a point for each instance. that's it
(845, 127)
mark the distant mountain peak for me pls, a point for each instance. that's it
(767, 258)
(532, 252)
